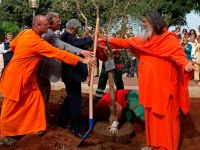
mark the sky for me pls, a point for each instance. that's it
(193, 21)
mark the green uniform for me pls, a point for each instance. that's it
(134, 106)
(104, 77)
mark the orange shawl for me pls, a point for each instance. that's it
(161, 70)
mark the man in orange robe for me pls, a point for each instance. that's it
(23, 109)
(163, 80)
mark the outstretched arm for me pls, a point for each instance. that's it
(53, 39)
(117, 43)
(121, 44)
(46, 49)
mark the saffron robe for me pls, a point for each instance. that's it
(163, 85)
(23, 109)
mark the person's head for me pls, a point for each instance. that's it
(9, 37)
(131, 34)
(72, 26)
(192, 38)
(152, 23)
(187, 35)
(54, 21)
(193, 33)
(40, 24)
(185, 41)
(184, 31)
(177, 29)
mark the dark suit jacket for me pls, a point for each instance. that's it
(7, 56)
(50, 68)
(79, 72)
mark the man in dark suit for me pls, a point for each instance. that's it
(50, 69)
(72, 78)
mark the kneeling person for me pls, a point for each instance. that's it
(126, 100)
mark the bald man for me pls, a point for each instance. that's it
(23, 109)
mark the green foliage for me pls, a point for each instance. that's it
(20, 12)
(8, 27)
(68, 10)
(174, 11)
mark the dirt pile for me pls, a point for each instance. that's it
(57, 138)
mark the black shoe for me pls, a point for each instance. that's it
(78, 134)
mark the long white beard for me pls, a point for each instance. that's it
(146, 33)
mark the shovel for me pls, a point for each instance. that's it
(91, 121)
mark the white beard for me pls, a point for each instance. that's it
(146, 33)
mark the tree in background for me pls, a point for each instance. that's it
(8, 27)
(19, 11)
(112, 12)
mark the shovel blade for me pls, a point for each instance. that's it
(87, 133)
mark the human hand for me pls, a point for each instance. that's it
(114, 127)
(90, 61)
(9, 50)
(87, 54)
(190, 67)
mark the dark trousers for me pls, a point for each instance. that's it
(117, 73)
(97, 66)
(104, 78)
(72, 104)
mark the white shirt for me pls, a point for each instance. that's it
(2, 49)
(193, 53)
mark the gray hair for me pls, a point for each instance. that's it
(156, 21)
(9, 33)
(50, 16)
(73, 23)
